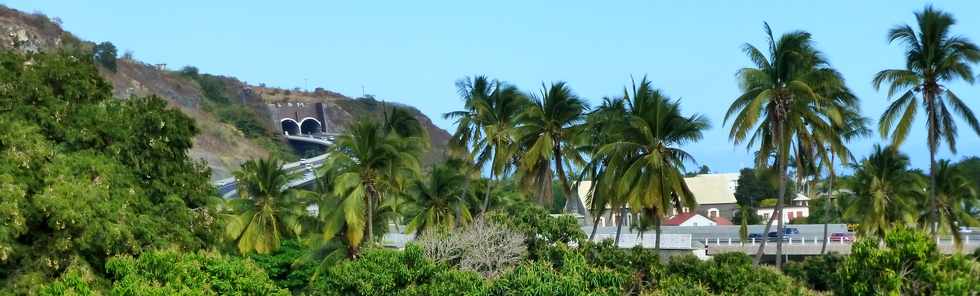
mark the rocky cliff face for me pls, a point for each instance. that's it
(221, 143)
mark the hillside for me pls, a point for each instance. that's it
(233, 116)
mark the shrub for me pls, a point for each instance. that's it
(105, 54)
(570, 276)
(392, 272)
(540, 228)
(679, 286)
(173, 273)
(734, 274)
(817, 272)
(910, 264)
(281, 266)
(483, 247)
(643, 265)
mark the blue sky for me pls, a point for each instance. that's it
(413, 51)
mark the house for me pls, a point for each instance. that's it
(715, 194)
(695, 219)
(797, 208)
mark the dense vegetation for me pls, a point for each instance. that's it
(86, 177)
(99, 196)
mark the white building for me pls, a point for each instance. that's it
(797, 208)
(715, 194)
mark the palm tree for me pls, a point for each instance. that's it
(647, 161)
(266, 211)
(547, 128)
(884, 190)
(933, 58)
(953, 192)
(487, 125)
(854, 126)
(439, 202)
(608, 118)
(783, 99)
(368, 163)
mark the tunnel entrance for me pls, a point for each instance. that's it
(310, 126)
(289, 126)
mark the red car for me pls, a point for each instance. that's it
(842, 237)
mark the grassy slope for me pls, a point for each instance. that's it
(234, 122)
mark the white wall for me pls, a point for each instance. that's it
(788, 212)
(698, 220)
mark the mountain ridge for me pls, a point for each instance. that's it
(232, 115)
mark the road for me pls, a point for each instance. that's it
(228, 188)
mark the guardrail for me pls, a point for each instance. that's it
(812, 245)
(228, 187)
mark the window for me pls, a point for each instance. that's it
(799, 213)
(713, 213)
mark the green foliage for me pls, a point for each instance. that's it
(885, 192)
(264, 213)
(439, 202)
(679, 286)
(734, 274)
(818, 272)
(366, 164)
(571, 276)
(909, 263)
(85, 177)
(540, 228)
(243, 118)
(70, 284)
(176, 273)
(285, 267)
(391, 272)
(642, 265)
(105, 54)
(757, 185)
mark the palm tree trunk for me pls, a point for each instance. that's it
(779, 206)
(619, 224)
(370, 214)
(595, 225)
(486, 197)
(932, 193)
(827, 207)
(656, 221)
(933, 144)
(765, 238)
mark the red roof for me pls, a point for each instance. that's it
(679, 218)
(722, 221)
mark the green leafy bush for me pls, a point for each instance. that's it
(818, 272)
(176, 273)
(908, 264)
(542, 230)
(734, 274)
(568, 273)
(392, 272)
(85, 177)
(105, 54)
(284, 266)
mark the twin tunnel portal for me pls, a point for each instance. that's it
(306, 126)
(299, 118)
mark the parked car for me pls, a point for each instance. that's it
(842, 237)
(964, 229)
(755, 236)
(788, 233)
